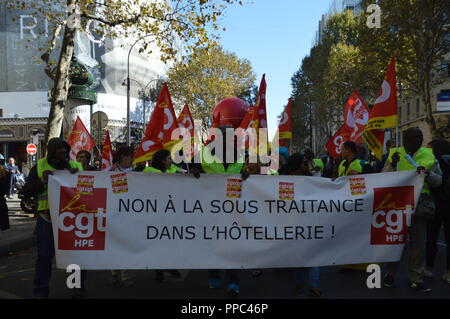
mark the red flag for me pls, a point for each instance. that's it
(285, 126)
(158, 134)
(261, 103)
(79, 139)
(356, 115)
(107, 156)
(334, 144)
(384, 113)
(186, 121)
(249, 119)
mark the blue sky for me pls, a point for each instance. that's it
(274, 35)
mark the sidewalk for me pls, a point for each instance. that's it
(20, 235)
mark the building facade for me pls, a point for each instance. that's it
(412, 111)
(24, 87)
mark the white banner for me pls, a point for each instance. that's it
(171, 221)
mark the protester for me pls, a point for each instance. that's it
(162, 163)
(299, 165)
(284, 158)
(12, 167)
(389, 145)
(425, 161)
(36, 185)
(329, 166)
(84, 157)
(441, 149)
(123, 163)
(210, 163)
(316, 165)
(4, 187)
(350, 165)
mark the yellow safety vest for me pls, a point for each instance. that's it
(150, 169)
(211, 164)
(318, 163)
(354, 166)
(423, 157)
(43, 166)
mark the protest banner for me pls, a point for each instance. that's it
(174, 221)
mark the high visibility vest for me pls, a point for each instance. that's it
(150, 169)
(423, 157)
(43, 166)
(211, 164)
(318, 163)
(354, 166)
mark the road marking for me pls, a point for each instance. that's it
(6, 295)
(441, 244)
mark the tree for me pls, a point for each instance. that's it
(207, 77)
(416, 31)
(169, 23)
(325, 80)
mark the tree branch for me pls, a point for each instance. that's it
(46, 56)
(111, 23)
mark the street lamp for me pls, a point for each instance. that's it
(128, 89)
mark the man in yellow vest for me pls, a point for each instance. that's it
(414, 157)
(36, 185)
(212, 163)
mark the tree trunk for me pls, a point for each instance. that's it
(426, 96)
(61, 84)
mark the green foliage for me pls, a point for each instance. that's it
(207, 77)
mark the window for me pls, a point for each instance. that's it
(1, 112)
(418, 107)
(408, 111)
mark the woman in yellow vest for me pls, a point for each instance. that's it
(350, 165)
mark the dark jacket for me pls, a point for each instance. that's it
(4, 188)
(34, 185)
(442, 194)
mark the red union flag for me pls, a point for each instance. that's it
(384, 113)
(356, 115)
(186, 121)
(334, 144)
(82, 220)
(260, 105)
(285, 126)
(79, 139)
(393, 208)
(107, 157)
(158, 134)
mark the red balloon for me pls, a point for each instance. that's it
(230, 112)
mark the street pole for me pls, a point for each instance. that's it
(128, 89)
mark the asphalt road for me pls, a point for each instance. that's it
(17, 271)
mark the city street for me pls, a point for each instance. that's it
(17, 271)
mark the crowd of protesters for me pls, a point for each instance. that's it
(433, 161)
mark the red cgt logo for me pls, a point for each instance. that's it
(393, 208)
(82, 220)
